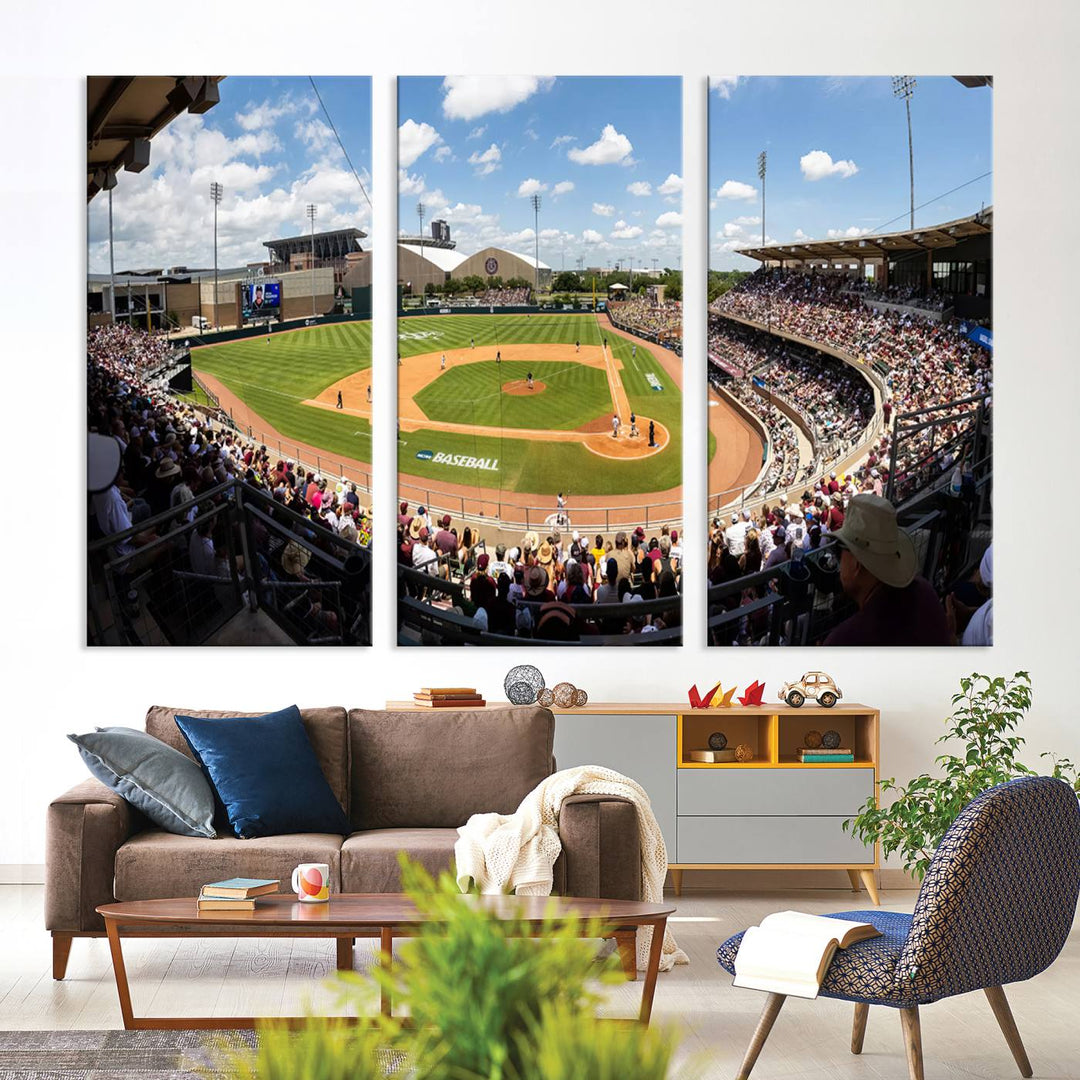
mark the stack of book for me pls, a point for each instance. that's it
(712, 757)
(820, 755)
(448, 697)
(235, 894)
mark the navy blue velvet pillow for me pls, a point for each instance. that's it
(266, 774)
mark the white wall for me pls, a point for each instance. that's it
(55, 685)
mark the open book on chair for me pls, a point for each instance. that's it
(790, 951)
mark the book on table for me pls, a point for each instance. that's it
(224, 903)
(790, 951)
(239, 888)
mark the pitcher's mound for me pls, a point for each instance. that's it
(520, 388)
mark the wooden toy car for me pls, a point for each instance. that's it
(814, 684)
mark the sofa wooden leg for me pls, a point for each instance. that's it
(867, 878)
(676, 881)
(61, 950)
(853, 877)
(858, 1027)
(909, 1020)
(1000, 1004)
(773, 1004)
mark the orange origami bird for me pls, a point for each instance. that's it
(754, 693)
(722, 698)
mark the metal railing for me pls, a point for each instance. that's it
(143, 588)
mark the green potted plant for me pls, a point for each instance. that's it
(986, 713)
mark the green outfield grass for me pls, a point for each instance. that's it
(548, 467)
(574, 394)
(275, 375)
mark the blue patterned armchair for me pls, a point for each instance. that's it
(995, 907)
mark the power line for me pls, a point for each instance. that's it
(330, 121)
(965, 184)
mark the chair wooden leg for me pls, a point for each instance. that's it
(867, 878)
(1000, 1004)
(858, 1027)
(909, 1020)
(853, 877)
(676, 881)
(61, 950)
(768, 1016)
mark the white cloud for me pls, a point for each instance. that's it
(817, 165)
(530, 134)
(673, 185)
(622, 231)
(798, 234)
(563, 187)
(409, 184)
(265, 115)
(442, 153)
(591, 236)
(532, 186)
(669, 219)
(465, 97)
(603, 209)
(522, 236)
(640, 188)
(748, 219)
(612, 148)
(559, 140)
(487, 161)
(846, 234)
(724, 85)
(732, 229)
(477, 132)
(736, 189)
(550, 234)
(313, 133)
(414, 139)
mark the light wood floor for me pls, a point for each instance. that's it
(810, 1040)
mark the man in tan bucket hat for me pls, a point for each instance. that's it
(877, 571)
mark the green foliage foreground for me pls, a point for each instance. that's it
(486, 1000)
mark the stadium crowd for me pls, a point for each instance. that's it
(532, 589)
(506, 296)
(660, 322)
(906, 295)
(173, 453)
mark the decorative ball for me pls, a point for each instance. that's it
(830, 740)
(564, 694)
(580, 698)
(812, 740)
(522, 684)
(717, 740)
(545, 698)
(743, 753)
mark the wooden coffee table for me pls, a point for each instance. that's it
(346, 917)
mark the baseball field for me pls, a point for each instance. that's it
(470, 416)
(272, 384)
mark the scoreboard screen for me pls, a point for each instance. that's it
(261, 300)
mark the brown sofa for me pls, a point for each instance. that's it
(406, 781)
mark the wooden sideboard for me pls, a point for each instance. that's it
(773, 812)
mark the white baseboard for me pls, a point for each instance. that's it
(22, 873)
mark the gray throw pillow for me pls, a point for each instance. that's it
(167, 786)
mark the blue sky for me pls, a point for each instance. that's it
(838, 157)
(604, 153)
(268, 142)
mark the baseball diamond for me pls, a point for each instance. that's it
(481, 405)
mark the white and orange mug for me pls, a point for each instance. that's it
(311, 882)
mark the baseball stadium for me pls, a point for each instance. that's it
(230, 484)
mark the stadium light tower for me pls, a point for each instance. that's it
(903, 86)
(216, 192)
(762, 164)
(312, 213)
(420, 210)
(535, 200)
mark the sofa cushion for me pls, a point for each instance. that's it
(159, 865)
(326, 728)
(167, 786)
(436, 768)
(266, 774)
(369, 859)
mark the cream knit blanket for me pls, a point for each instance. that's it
(517, 852)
